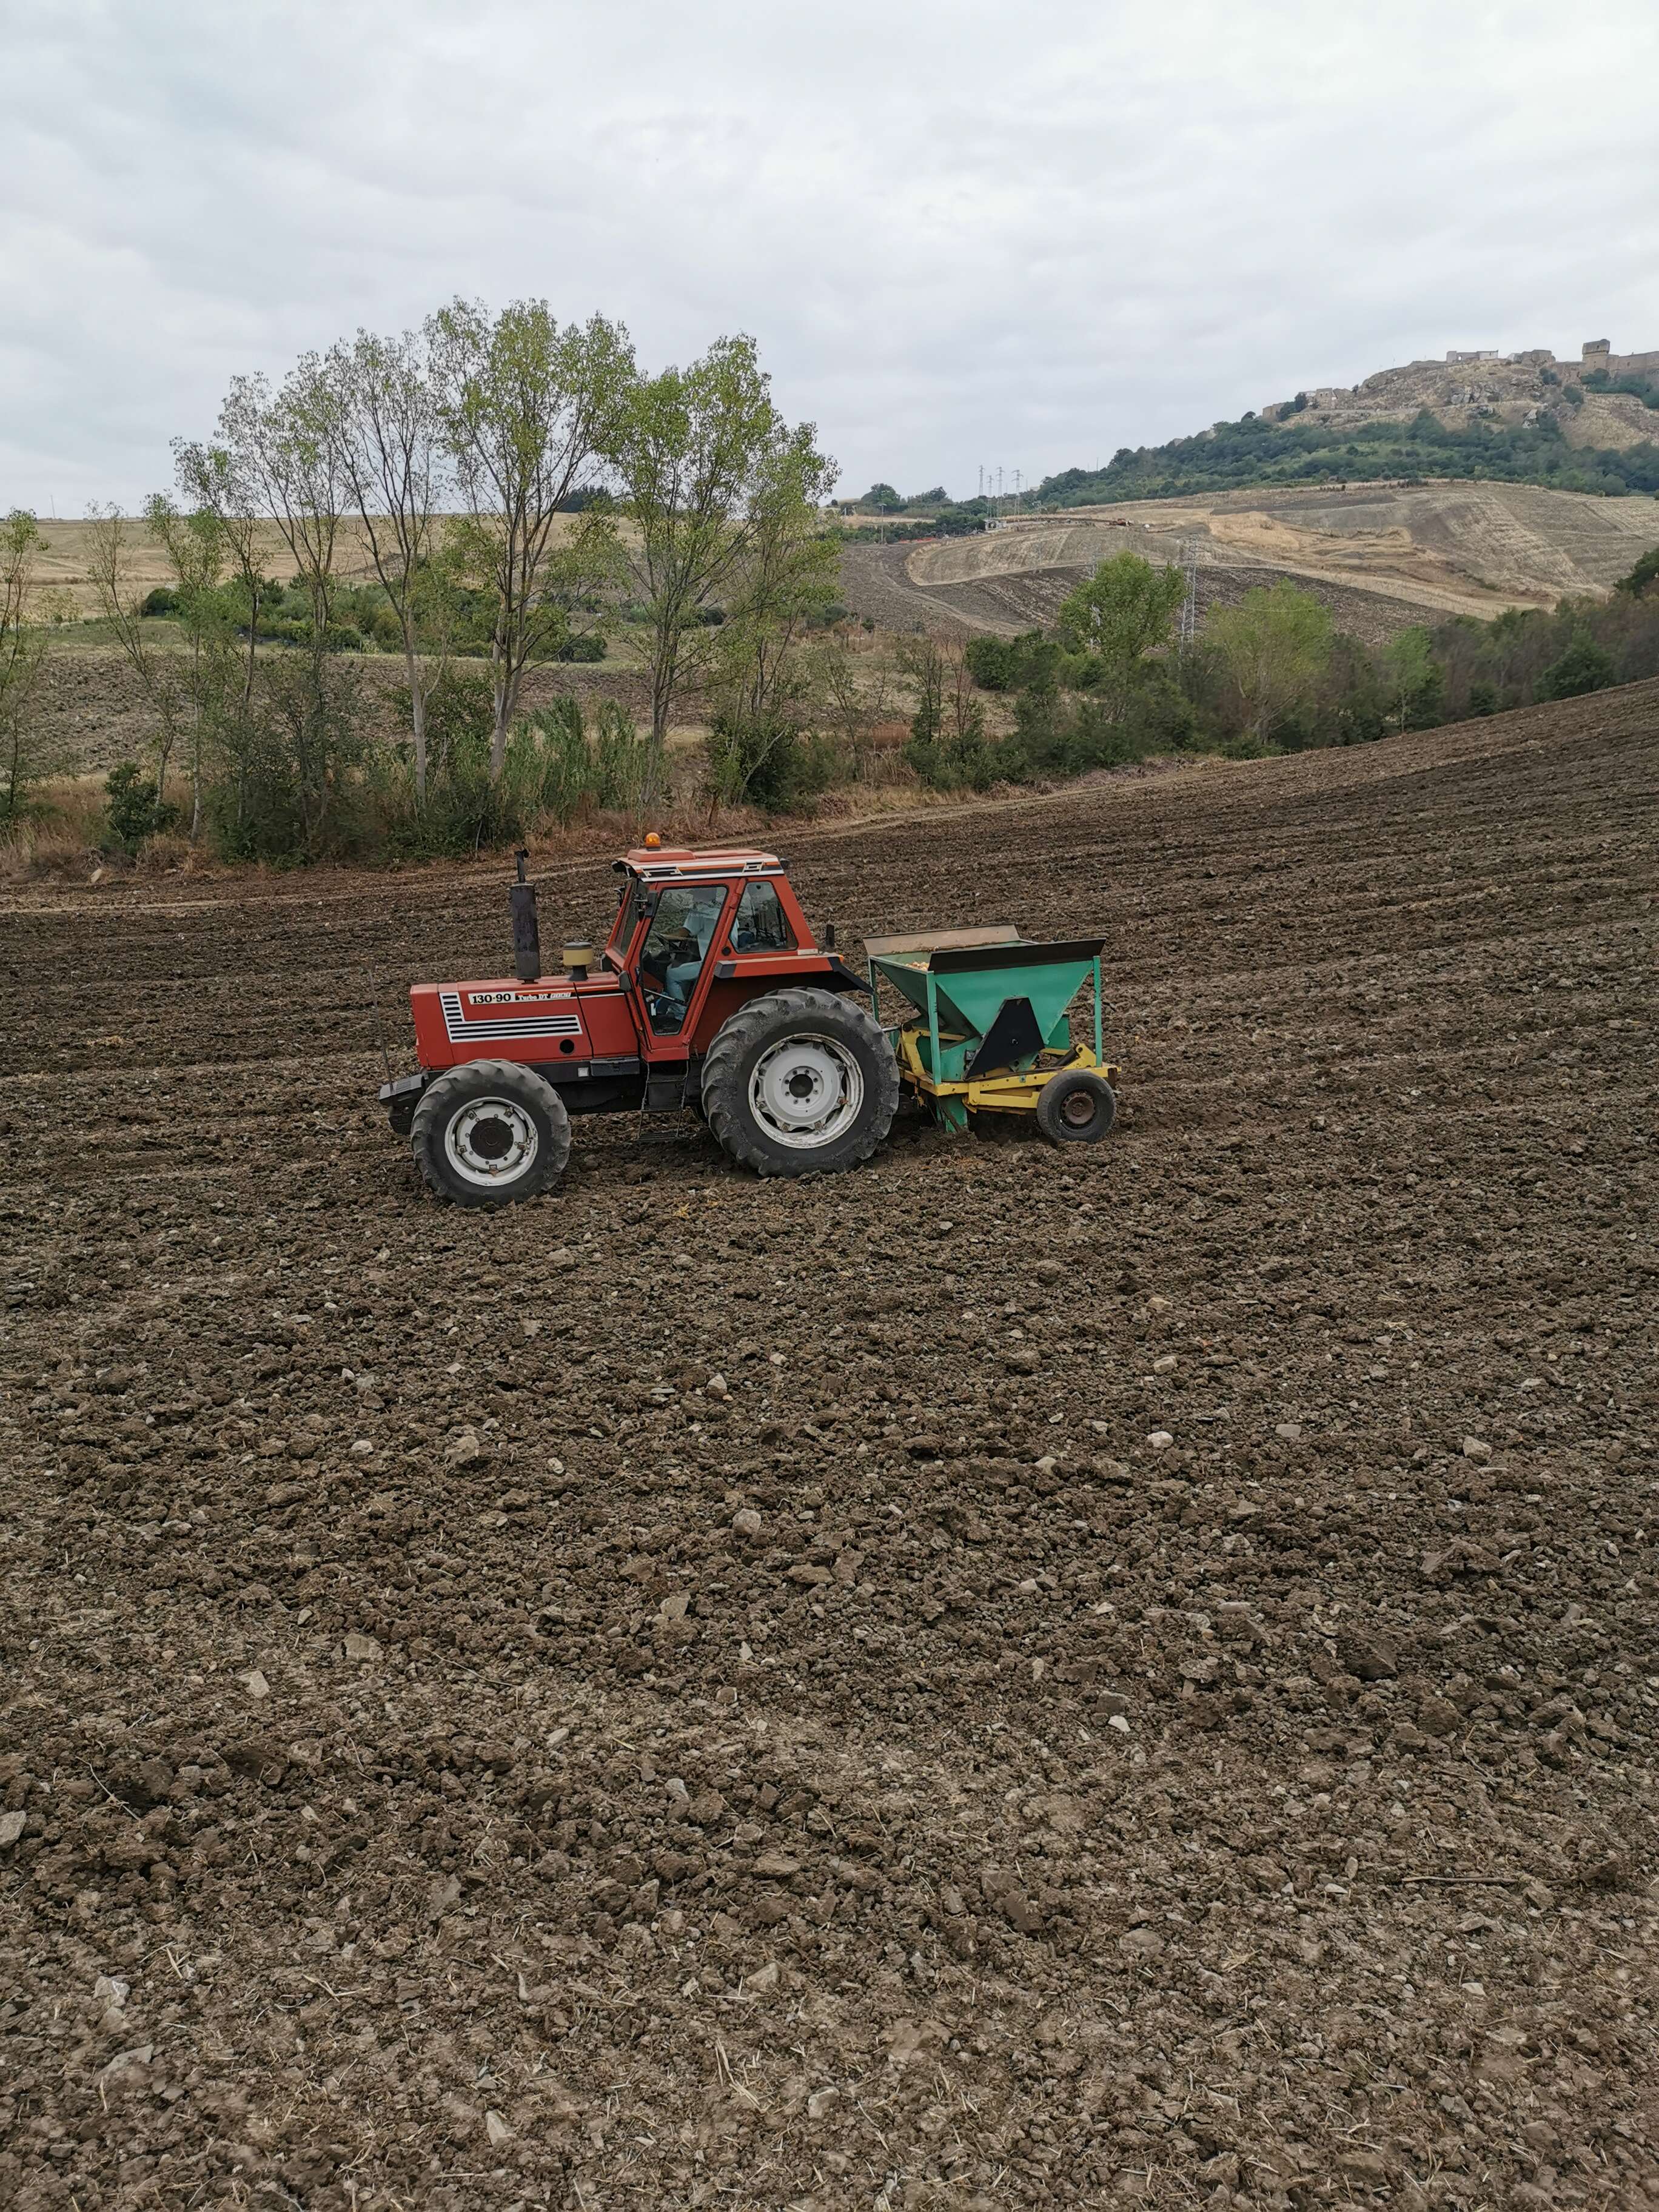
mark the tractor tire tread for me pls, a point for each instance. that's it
(725, 1090)
(517, 1080)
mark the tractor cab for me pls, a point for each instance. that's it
(689, 921)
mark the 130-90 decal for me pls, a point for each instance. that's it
(464, 1028)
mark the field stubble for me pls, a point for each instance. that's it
(704, 1691)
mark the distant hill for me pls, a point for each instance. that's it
(1590, 425)
(1379, 557)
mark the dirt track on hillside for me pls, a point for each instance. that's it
(704, 1693)
(1378, 556)
(875, 581)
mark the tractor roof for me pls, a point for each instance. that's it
(658, 864)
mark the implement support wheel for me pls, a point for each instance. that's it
(1077, 1107)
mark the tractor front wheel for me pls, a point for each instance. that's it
(800, 1083)
(489, 1132)
(1076, 1107)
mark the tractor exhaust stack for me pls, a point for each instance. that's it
(527, 930)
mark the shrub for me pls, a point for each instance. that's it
(1009, 664)
(571, 771)
(1158, 718)
(1584, 666)
(768, 763)
(581, 645)
(289, 794)
(963, 761)
(162, 601)
(134, 808)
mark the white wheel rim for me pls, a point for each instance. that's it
(805, 1092)
(489, 1141)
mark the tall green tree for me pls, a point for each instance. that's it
(707, 467)
(25, 753)
(784, 583)
(524, 403)
(1413, 681)
(1274, 646)
(287, 448)
(197, 551)
(211, 482)
(161, 671)
(1123, 613)
(393, 455)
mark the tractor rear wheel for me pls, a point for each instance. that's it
(1076, 1106)
(489, 1132)
(800, 1083)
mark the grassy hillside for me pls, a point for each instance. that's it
(1303, 449)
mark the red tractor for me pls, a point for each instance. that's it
(711, 993)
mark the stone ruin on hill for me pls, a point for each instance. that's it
(1479, 384)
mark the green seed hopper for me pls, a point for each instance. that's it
(991, 1034)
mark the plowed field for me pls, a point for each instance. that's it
(1008, 1679)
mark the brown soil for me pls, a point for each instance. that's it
(459, 1753)
(92, 708)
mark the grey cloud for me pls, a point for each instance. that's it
(1023, 235)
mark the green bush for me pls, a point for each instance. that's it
(1584, 666)
(963, 761)
(288, 791)
(1009, 664)
(162, 601)
(570, 769)
(134, 808)
(770, 763)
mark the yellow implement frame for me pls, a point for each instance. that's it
(1010, 1092)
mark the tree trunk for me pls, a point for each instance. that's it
(662, 701)
(196, 736)
(253, 640)
(417, 718)
(498, 735)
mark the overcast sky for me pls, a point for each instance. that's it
(1019, 234)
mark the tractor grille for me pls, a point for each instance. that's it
(477, 1029)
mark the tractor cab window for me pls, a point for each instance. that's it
(761, 926)
(628, 915)
(679, 940)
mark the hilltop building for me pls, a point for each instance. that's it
(1477, 383)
